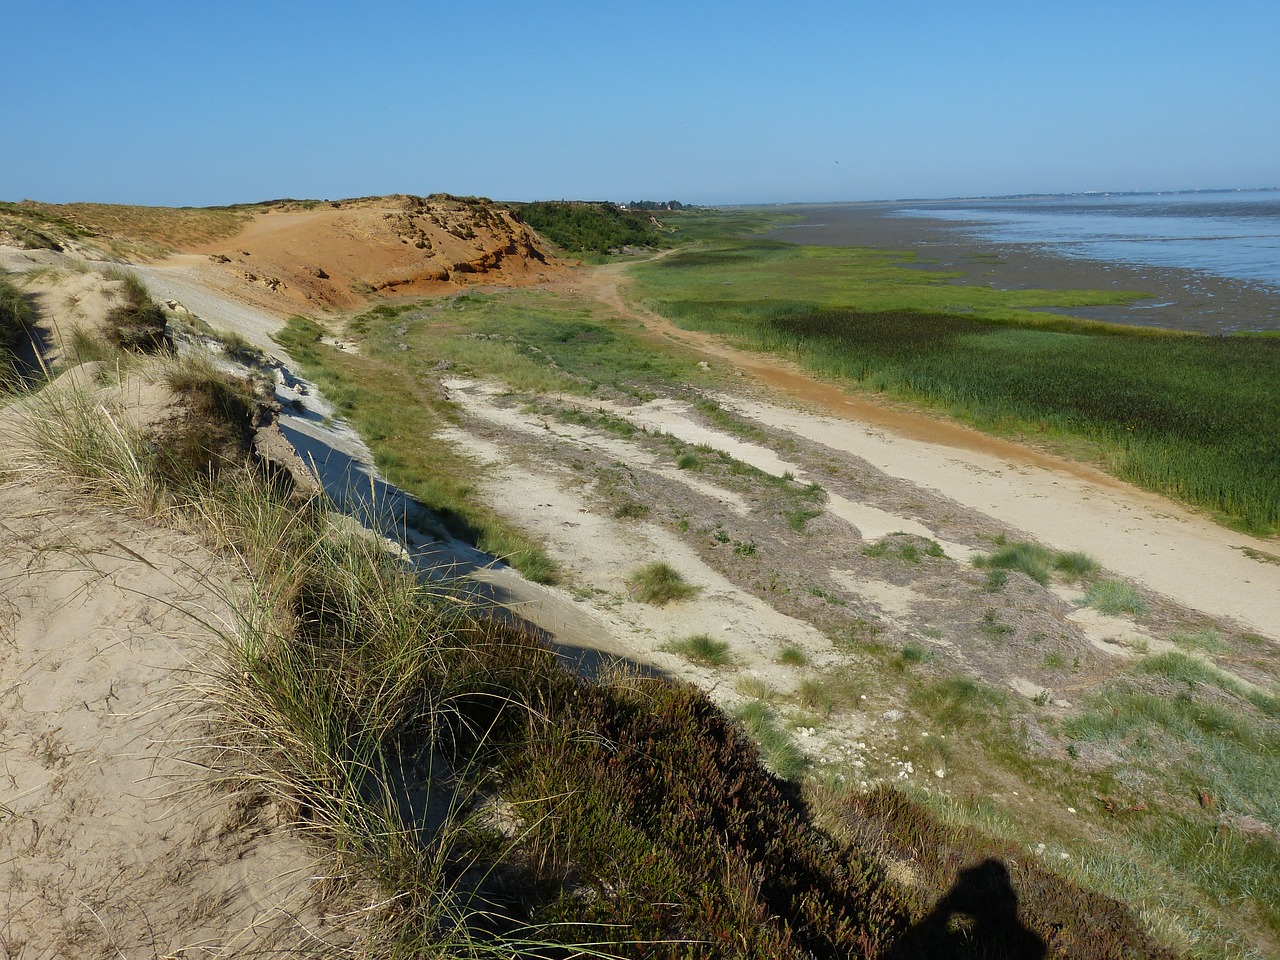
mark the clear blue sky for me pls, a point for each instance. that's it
(220, 101)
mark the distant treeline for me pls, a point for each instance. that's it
(656, 205)
(590, 227)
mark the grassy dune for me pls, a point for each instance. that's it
(118, 229)
(1180, 414)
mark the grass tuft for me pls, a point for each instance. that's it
(793, 656)
(1114, 597)
(1076, 566)
(659, 583)
(137, 325)
(702, 649)
(1029, 558)
(781, 753)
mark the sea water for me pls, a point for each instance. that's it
(1234, 234)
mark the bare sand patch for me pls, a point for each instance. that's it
(898, 602)
(113, 841)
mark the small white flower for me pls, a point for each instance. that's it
(939, 773)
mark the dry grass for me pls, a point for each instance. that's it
(125, 229)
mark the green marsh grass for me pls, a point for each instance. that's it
(1175, 413)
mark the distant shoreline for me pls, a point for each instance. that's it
(1180, 299)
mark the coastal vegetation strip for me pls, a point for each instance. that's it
(537, 343)
(1177, 413)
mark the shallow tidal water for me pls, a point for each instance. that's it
(1232, 234)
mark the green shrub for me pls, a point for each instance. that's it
(589, 227)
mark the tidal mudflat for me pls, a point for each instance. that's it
(1179, 298)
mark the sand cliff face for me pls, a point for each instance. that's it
(333, 255)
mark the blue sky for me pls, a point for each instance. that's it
(220, 102)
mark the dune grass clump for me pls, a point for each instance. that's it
(792, 656)
(216, 428)
(1076, 566)
(1037, 562)
(779, 749)
(659, 583)
(138, 324)
(1114, 597)
(16, 318)
(702, 649)
(91, 441)
(1029, 558)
